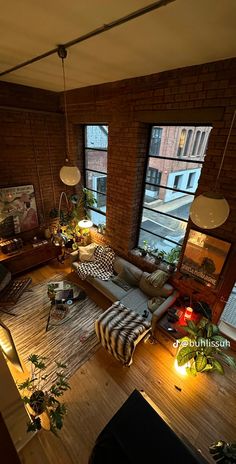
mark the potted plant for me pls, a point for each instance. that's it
(223, 452)
(172, 258)
(43, 405)
(145, 248)
(203, 349)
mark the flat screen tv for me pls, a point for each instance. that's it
(18, 210)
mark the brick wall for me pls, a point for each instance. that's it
(198, 94)
(32, 143)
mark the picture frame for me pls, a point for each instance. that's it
(204, 257)
(18, 210)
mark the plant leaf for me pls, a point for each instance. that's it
(224, 343)
(218, 366)
(185, 354)
(209, 330)
(191, 371)
(208, 367)
(229, 360)
(200, 362)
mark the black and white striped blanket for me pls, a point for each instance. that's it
(101, 267)
(119, 329)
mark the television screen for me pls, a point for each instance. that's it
(18, 210)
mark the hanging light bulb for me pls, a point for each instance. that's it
(210, 209)
(69, 173)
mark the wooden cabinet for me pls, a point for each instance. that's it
(29, 256)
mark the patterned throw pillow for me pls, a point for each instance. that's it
(158, 278)
(86, 253)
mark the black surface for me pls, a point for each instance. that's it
(138, 435)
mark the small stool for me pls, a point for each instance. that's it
(119, 329)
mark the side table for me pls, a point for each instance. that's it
(63, 300)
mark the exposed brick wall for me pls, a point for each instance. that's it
(32, 152)
(33, 143)
(121, 106)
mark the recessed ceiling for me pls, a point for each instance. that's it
(182, 33)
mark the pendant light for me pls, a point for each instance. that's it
(210, 209)
(69, 173)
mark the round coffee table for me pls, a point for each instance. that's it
(63, 296)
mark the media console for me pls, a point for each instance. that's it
(29, 256)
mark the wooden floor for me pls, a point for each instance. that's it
(203, 408)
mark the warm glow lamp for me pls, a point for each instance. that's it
(210, 210)
(85, 224)
(69, 173)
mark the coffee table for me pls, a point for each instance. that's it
(63, 296)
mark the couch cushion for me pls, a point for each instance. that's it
(158, 278)
(149, 290)
(133, 273)
(121, 283)
(107, 288)
(137, 301)
(86, 253)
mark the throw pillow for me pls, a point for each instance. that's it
(121, 283)
(86, 253)
(158, 278)
(149, 290)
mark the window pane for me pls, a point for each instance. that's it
(96, 136)
(96, 181)
(157, 223)
(155, 143)
(95, 159)
(155, 242)
(178, 141)
(168, 201)
(173, 174)
(100, 201)
(96, 217)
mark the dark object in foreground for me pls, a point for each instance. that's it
(222, 452)
(137, 434)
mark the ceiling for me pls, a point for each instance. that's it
(182, 33)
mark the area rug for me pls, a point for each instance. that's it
(73, 342)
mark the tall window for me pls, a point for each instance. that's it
(96, 144)
(156, 141)
(170, 185)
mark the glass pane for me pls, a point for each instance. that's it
(154, 242)
(96, 136)
(96, 217)
(96, 181)
(95, 159)
(166, 227)
(229, 313)
(173, 173)
(101, 200)
(179, 141)
(168, 201)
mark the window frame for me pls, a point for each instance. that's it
(178, 158)
(85, 147)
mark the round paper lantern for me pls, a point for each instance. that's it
(70, 175)
(209, 210)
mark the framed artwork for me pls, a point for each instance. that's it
(18, 210)
(204, 257)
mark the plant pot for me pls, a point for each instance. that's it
(37, 402)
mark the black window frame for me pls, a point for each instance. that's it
(178, 158)
(103, 174)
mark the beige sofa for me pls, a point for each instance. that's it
(138, 291)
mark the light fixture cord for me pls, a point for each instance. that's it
(225, 149)
(65, 112)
